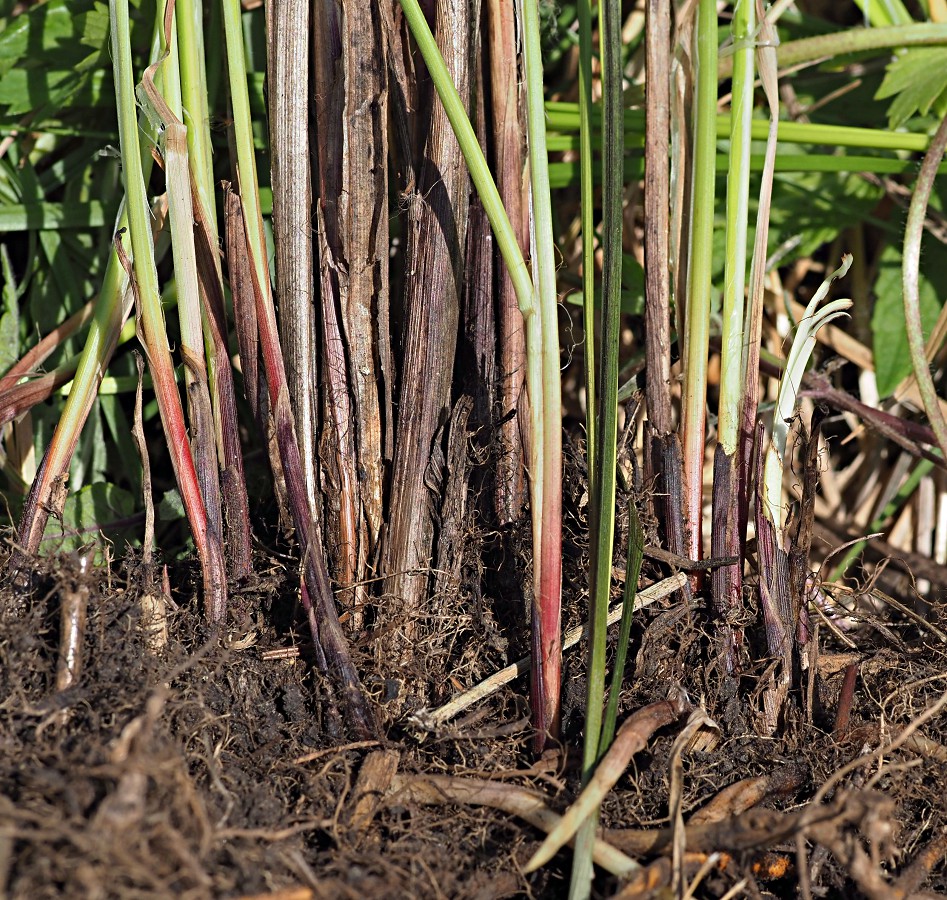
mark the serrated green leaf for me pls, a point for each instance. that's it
(892, 356)
(917, 79)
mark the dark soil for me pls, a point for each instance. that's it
(217, 768)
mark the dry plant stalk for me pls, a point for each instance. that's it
(154, 617)
(632, 737)
(508, 130)
(351, 110)
(436, 228)
(288, 58)
(316, 594)
(526, 804)
(698, 719)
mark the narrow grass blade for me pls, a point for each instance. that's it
(632, 572)
(587, 195)
(603, 524)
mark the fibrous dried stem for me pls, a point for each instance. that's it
(436, 223)
(321, 611)
(508, 130)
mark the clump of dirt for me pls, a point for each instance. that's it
(216, 767)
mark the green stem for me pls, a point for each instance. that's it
(603, 489)
(152, 316)
(700, 259)
(473, 156)
(913, 233)
(855, 40)
(564, 174)
(632, 571)
(243, 140)
(563, 118)
(603, 536)
(738, 194)
(548, 584)
(190, 34)
(587, 190)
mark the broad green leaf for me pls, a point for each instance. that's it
(96, 512)
(9, 314)
(54, 216)
(917, 79)
(63, 32)
(892, 357)
(47, 54)
(810, 210)
(171, 507)
(90, 461)
(125, 458)
(7, 8)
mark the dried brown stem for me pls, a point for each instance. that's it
(288, 33)
(508, 131)
(323, 616)
(436, 224)
(527, 804)
(236, 507)
(632, 737)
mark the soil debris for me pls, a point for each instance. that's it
(214, 769)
